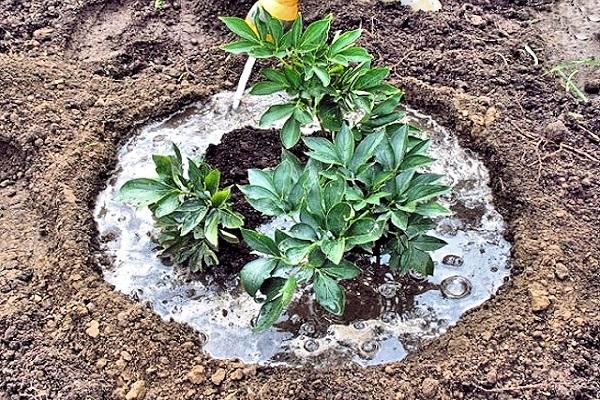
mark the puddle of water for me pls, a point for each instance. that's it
(387, 318)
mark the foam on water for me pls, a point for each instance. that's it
(474, 234)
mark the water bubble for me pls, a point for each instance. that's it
(311, 345)
(307, 329)
(387, 290)
(453, 260)
(455, 287)
(417, 275)
(370, 347)
(358, 325)
(390, 317)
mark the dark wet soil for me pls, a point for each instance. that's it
(77, 78)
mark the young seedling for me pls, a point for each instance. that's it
(567, 73)
(190, 210)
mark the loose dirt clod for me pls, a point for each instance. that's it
(137, 391)
(197, 374)
(93, 329)
(218, 376)
(539, 297)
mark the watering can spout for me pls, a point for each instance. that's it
(283, 10)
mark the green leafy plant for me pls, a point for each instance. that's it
(364, 195)
(567, 72)
(190, 210)
(363, 191)
(327, 80)
(159, 4)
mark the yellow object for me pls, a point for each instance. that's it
(283, 10)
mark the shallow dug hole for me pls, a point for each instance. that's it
(387, 317)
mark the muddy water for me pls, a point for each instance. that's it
(387, 317)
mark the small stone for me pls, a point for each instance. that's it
(43, 33)
(93, 329)
(126, 356)
(477, 20)
(594, 17)
(561, 272)
(492, 376)
(592, 86)
(218, 377)
(236, 375)
(556, 131)
(539, 297)
(389, 370)
(429, 388)
(101, 363)
(196, 375)
(137, 391)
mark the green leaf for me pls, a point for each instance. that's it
(229, 237)
(400, 219)
(211, 228)
(212, 180)
(338, 217)
(231, 219)
(329, 294)
(388, 106)
(432, 210)
(268, 314)
(275, 76)
(330, 116)
(428, 243)
(163, 166)
(167, 205)
(192, 220)
(278, 299)
(372, 78)
(424, 193)
(296, 31)
(220, 197)
(143, 192)
(365, 150)
(363, 231)
(344, 144)
(259, 242)
(416, 161)
(239, 46)
(315, 34)
(334, 249)
(240, 28)
(290, 133)
(355, 55)
(344, 41)
(266, 88)
(303, 231)
(323, 75)
(282, 178)
(421, 262)
(275, 113)
(262, 178)
(254, 274)
(322, 150)
(333, 193)
(344, 270)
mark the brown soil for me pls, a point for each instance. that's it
(77, 78)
